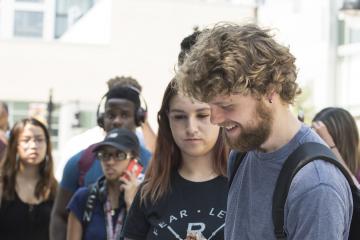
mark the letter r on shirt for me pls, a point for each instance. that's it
(197, 227)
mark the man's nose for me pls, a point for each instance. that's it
(216, 116)
(118, 121)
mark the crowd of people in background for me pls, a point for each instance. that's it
(225, 133)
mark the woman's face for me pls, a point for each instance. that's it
(113, 162)
(32, 145)
(190, 126)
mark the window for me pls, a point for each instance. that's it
(68, 12)
(354, 36)
(28, 24)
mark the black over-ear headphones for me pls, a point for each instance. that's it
(140, 112)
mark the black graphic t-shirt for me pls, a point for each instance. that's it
(190, 206)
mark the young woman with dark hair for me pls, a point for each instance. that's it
(98, 211)
(27, 183)
(337, 127)
(185, 188)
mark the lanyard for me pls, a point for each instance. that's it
(111, 232)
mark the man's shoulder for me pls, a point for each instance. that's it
(316, 174)
(74, 160)
(306, 134)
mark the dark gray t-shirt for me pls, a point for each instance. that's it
(319, 204)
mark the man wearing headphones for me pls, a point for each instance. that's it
(122, 110)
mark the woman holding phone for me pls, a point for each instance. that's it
(98, 211)
(184, 192)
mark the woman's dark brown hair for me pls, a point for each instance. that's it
(167, 155)
(46, 186)
(342, 128)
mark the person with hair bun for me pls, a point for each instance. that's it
(27, 183)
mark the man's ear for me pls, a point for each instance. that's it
(270, 93)
(270, 96)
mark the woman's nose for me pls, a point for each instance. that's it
(192, 126)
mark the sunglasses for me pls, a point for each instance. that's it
(117, 156)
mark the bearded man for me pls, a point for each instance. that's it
(249, 80)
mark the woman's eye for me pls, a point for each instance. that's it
(179, 117)
(203, 115)
(121, 156)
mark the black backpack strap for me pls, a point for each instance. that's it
(233, 167)
(304, 154)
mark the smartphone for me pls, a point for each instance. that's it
(134, 167)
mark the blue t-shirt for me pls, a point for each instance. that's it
(70, 179)
(319, 204)
(96, 228)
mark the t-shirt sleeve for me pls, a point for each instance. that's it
(136, 225)
(78, 202)
(320, 213)
(71, 173)
(145, 157)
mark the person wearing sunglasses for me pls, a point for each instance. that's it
(98, 211)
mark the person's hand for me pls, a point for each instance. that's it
(323, 132)
(129, 186)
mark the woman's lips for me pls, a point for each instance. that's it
(33, 155)
(191, 140)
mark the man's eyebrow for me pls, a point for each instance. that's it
(222, 103)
